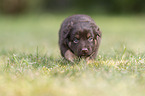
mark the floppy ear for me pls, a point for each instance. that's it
(96, 31)
(67, 29)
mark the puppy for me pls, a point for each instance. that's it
(79, 37)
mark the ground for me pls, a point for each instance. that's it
(31, 65)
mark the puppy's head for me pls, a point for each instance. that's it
(83, 38)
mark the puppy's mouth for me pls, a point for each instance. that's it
(84, 55)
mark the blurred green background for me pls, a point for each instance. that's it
(85, 6)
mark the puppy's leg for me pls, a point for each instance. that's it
(69, 56)
(89, 60)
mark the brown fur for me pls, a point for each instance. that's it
(79, 36)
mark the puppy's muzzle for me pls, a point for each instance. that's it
(84, 51)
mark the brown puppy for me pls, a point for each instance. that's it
(79, 37)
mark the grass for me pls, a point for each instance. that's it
(31, 65)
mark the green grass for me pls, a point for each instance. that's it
(31, 65)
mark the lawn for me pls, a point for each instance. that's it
(31, 65)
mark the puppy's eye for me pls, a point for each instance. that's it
(76, 40)
(90, 39)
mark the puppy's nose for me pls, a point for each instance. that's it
(84, 50)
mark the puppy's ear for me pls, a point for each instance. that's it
(67, 29)
(96, 30)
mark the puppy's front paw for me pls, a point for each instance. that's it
(90, 61)
(69, 56)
